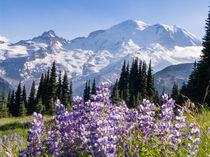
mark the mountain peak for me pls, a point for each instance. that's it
(49, 34)
(131, 24)
(50, 37)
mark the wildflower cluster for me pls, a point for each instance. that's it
(98, 127)
(35, 136)
(10, 143)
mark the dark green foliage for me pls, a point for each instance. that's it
(86, 94)
(192, 83)
(4, 111)
(115, 93)
(150, 83)
(144, 81)
(200, 77)
(175, 92)
(11, 104)
(9, 97)
(65, 90)
(135, 84)
(70, 93)
(182, 92)
(93, 91)
(52, 83)
(40, 106)
(59, 86)
(156, 98)
(24, 96)
(40, 91)
(139, 76)
(18, 101)
(8, 102)
(43, 102)
(22, 110)
(88, 90)
(134, 76)
(31, 100)
(3, 104)
(45, 96)
(183, 89)
(123, 82)
(127, 93)
(52, 109)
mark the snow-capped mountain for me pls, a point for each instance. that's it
(99, 55)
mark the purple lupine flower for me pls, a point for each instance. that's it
(100, 127)
(35, 136)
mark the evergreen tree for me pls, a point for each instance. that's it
(133, 83)
(22, 110)
(11, 105)
(18, 100)
(3, 104)
(127, 90)
(150, 83)
(45, 95)
(88, 91)
(134, 78)
(59, 86)
(122, 81)
(52, 109)
(5, 110)
(156, 98)
(8, 102)
(192, 83)
(24, 96)
(115, 93)
(143, 81)
(183, 91)
(93, 91)
(65, 89)
(86, 94)
(137, 100)
(202, 73)
(40, 106)
(139, 76)
(127, 93)
(175, 92)
(70, 93)
(9, 97)
(31, 100)
(52, 82)
(40, 89)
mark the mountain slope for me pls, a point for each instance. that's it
(4, 84)
(172, 74)
(100, 54)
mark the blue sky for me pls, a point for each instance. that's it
(24, 19)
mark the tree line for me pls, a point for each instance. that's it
(135, 83)
(16, 103)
